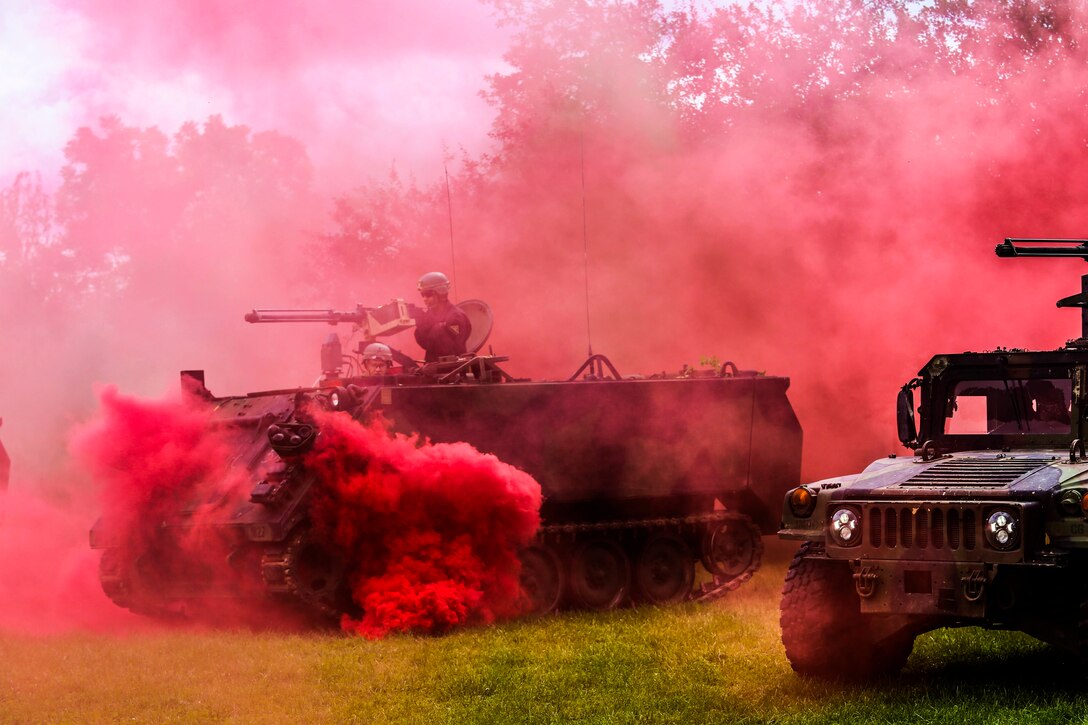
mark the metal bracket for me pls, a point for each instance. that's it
(974, 585)
(1055, 248)
(596, 365)
(865, 579)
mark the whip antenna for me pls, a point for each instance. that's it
(449, 209)
(585, 236)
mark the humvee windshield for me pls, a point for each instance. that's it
(1010, 407)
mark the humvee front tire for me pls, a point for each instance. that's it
(823, 629)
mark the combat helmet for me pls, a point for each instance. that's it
(436, 282)
(378, 351)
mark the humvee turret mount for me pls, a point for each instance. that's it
(985, 525)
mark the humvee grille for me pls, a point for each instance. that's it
(922, 527)
(985, 473)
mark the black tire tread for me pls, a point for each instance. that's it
(823, 630)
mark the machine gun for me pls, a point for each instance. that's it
(389, 319)
(1055, 248)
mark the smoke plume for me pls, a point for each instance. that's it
(429, 533)
(48, 576)
(433, 531)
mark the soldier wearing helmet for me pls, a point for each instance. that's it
(377, 359)
(442, 329)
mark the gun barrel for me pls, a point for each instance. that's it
(1043, 248)
(331, 317)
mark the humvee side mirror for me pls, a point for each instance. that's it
(904, 416)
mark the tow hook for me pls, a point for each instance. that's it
(865, 578)
(974, 584)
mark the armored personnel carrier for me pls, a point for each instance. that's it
(656, 489)
(985, 525)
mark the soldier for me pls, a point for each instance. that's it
(377, 359)
(442, 329)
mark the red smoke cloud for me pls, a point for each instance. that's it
(147, 457)
(429, 533)
(153, 463)
(433, 530)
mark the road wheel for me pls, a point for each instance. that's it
(316, 576)
(541, 579)
(600, 575)
(823, 629)
(732, 548)
(664, 570)
(125, 580)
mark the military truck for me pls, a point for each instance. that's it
(657, 489)
(986, 524)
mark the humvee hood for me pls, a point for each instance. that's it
(959, 474)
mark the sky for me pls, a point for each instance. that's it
(396, 84)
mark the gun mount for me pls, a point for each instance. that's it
(1056, 248)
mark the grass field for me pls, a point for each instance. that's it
(716, 663)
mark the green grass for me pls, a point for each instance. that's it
(721, 662)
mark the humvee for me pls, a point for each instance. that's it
(984, 525)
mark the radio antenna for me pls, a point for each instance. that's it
(585, 235)
(449, 209)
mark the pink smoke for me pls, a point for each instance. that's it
(365, 85)
(840, 239)
(48, 575)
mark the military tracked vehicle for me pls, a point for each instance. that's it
(656, 489)
(985, 525)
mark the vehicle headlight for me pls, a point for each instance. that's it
(1002, 530)
(802, 502)
(845, 527)
(341, 398)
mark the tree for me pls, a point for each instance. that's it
(29, 259)
(375, 225)
(213, 196)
